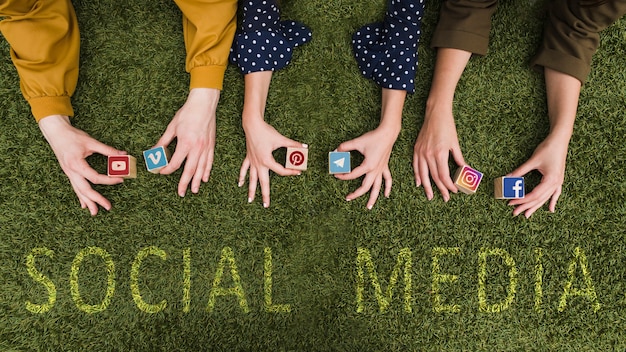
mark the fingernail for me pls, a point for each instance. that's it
(265, 205)
(369, 207)
(430, 197)
(249, 200)
(182, 195)
(299, 173)
(304, 145)
(446, 199)
(348, 199)
(240, 183)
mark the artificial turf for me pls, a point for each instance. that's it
(212, 272)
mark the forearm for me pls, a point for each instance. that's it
(45, 44)
(257, 86)
(448, 70)
(562, 92)
(391, 113)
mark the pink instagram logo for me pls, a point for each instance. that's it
(469, 179)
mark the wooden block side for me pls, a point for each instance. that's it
(133, 167)
(498, 185)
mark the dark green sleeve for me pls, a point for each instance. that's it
(465, 25)
(571, 35)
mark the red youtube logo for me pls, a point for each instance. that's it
(122, 166)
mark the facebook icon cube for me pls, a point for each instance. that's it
(509, 187)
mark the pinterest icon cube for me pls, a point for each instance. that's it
(297, 158)
(467, 179)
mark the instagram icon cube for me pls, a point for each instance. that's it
(467, 179)
(124, 166)
(509, 187)
(297, 158)
(156, 159)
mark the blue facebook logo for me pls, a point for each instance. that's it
(513, 187)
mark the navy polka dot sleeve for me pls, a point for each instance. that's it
(387, 52)
(264, 42)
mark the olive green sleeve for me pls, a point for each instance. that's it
(571, 35)
(465, 25)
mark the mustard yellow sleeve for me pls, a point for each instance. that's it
(209, 27)
(45, 42)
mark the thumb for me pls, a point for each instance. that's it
(290, 143)
(167, 137)
(523, 169)
(458, 156)
(348, 146)
(101, 148)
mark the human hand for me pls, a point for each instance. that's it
(376, 147)
(71, 147)
(436, 140)
(261, 140)
(194, 128)
(549, 159)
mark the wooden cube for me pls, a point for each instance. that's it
(124, 166)
(467, 179)
(297, 158)
(509, 187)
(156, 158)
(339, 162)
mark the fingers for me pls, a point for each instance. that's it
(388, 182)
(534, 200)
(188, 172)
(177, 159)
(354, 174)
(366, 185)
(280, 170)
(349, 146)
(458, 156)
(243, 171)
(85, 171)
(423, 170)
(290, 143)
(168, 135)
(199, 173)
(416, 170)
(554, 199)
(264, 180)
(88, 197)
(374, 192)
(434, 174)
(252, 184)
(523, 169)
(209, 165)
(101, 148)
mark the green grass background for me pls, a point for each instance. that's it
(132, 81)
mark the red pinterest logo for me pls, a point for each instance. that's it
(296, 158)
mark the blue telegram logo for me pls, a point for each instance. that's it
(339, 162)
